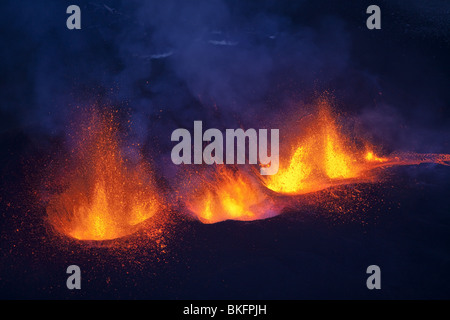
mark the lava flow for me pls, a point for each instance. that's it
(323, 157)
(103, 196)
(230, 193)
(320, 156)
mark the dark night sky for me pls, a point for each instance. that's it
(280, 54)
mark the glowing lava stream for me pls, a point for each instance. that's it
(103, 196)
(324, 157)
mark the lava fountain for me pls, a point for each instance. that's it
(318, 157)
(230, 193)
(323, 157)
(102, 196)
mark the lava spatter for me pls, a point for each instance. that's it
(103, 195)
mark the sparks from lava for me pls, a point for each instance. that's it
(104, 196)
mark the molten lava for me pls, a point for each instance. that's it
(323, 157)
(320, 156)
(229, 193)
(103, 196)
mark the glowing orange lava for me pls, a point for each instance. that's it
(229, 194)
(323, 157)
(370, 156)
(104, 197)
(320, 156)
